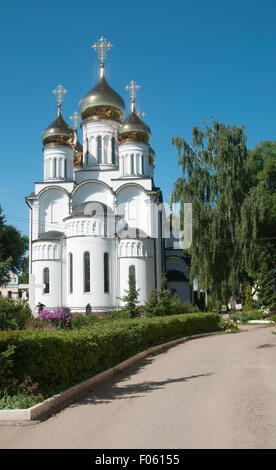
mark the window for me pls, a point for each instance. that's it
(106, 273)
(9, 294)
(131, 164)
(113, 151)
(87, 151)
(132, 277)
(99, 142)
(54, 168)
(65, 168)
(86, 259)
(143, 165)
(46, 280)
(70, 273)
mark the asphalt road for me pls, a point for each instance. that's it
(212, 392)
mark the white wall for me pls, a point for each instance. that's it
(97, 298)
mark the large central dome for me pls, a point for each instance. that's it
(102, 102)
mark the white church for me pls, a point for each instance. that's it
(96, 215)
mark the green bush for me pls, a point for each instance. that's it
(164, 302)
(58, 359)
(273, 318)
(254, 314)
(13, 315)
(241, 317)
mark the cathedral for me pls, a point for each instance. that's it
(97, 215)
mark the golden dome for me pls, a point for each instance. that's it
(102, 102)
(59, 132)
(133, 129)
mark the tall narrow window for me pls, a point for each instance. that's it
(143, 165)
(54, 168)
(46, 280)
(70, 273)
(132, 277)
(87, 152)
(106, 273)
(131, 164)
(86, 259)
(99, 142)
(65, 168)
(113, 150)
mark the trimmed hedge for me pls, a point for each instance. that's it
(59, 359)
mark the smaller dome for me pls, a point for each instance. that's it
(59, 132)
(133, 129)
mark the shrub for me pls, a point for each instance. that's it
(59, 318)
(164, 302)
(13, 314)
(241, 317)
(254, 314)
(58, 359)
(273, 318)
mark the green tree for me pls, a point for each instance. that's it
(215, 180)
(259, 220)
(131, 298)
(13, 246)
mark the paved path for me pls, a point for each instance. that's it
(213, 392)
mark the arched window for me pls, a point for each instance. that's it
(46, 280)
(54, 168)
(132, 277)
(131, 164)
(65, 168)
(70, 273)
(86, 262)
(113, 151)
(106, 273)
(99, 143)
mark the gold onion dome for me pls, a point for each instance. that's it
(102, 102)
(58, 132)
(133, 129)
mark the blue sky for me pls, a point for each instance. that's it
(192, 59)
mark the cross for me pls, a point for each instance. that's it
(59, 91)
(102, 46)
(31, 286)
(132, 87)
(75, 118)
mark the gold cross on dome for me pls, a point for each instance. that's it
(102, 47)
(59, 91)
(75, 118)
(131, 88)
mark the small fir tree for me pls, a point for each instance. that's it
(131, 298)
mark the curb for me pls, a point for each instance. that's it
(57, 402)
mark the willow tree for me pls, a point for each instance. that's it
(215, 180)
(259, 222)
